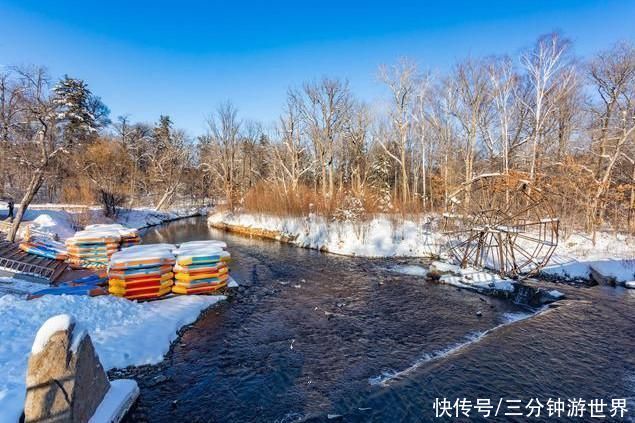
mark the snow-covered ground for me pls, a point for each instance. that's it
(613, 255)
(125, 333)
(379, 237)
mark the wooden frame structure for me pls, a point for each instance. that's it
(502, 223)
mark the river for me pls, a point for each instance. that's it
(317, 337)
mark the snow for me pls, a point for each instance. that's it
(474, 278)
(457, 276)
(140, 252)
(78, 336)
(19, 286)
(378, 237)
(118, 400)
(231, 283)
(63, 219)
(210, 244)
(124, 333)
(613, 256)
(53, 222)
(409, 269)
(58, 323)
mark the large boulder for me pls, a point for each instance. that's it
(65, 380)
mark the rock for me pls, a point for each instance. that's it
(479, 313)
(65, 380)
(630, 284)
(433, 276)
(601, 279)
(547, 297)
(159, 379)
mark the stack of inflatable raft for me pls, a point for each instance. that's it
(141, 272)
(128, 236)
(201, 267)
(44, 247)
(92, 248)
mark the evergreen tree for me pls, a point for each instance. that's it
(162, 132)
(80, 113)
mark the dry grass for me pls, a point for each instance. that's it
(267, 199)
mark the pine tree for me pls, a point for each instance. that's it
(76, 108)
(379, 179)
(162, 132)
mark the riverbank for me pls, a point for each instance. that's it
(63, 220)
(381, 236)
(612, 258)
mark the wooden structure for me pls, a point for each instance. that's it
(13, 259)
(503, 223)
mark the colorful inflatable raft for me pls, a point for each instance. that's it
(201, 267)
(44, 247)
(92, 247)
(141, 272)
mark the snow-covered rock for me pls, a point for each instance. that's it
(61, 322)
(65, 380)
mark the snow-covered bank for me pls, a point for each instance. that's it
(124, 333)
(379, 237)
(65, 219)
(575, 257)
(140, 218)
(613, 256)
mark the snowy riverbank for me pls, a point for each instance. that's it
(65, 219)
(125, 333)
(379, 237)
(612, 255)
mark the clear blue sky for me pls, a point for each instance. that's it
(146, 58)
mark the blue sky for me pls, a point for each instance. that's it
(146, 58)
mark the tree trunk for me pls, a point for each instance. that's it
(34, 185)
(631, 210)
(166, 196)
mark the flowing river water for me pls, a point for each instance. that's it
(310, 336)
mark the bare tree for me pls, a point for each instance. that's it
(401, 79)
(325, 108)
(37, 145)
(551, 75)
(222, 147)
(503, 88)
(613, 76)
(471, 106)
(291, 155)
(421, 120)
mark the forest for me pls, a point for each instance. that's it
(565, 122)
